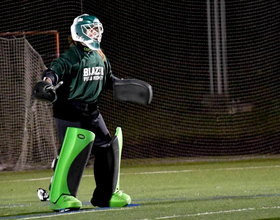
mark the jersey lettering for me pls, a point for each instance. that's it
(93, 73)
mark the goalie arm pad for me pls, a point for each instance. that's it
(133, 90)
(43, 91)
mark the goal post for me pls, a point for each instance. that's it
(32, 33)
(28, 136)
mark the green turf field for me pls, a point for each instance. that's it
(161, 189)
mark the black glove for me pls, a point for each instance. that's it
(44, 91)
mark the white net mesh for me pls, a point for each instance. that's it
(165, 43)
(27, 133)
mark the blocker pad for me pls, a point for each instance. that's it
(133, 90)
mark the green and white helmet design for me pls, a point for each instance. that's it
(87, 29)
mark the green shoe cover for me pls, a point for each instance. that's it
(66, 203)
(119, 199)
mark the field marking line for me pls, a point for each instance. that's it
(25, 180)
(162, 200)
(216, 212)
(195, 170)
(156, 172)
(51, 215)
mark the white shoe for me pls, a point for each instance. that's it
(42, 194)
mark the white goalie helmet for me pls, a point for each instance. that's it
(88, 30)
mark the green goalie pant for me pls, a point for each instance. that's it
(107, 170)
(73, 157)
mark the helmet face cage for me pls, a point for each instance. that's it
(87, 29)
(93, 31)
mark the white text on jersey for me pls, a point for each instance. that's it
(93, 73)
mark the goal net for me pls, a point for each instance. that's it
(27, 133)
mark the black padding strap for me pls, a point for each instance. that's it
(133, 90)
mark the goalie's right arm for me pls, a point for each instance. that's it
(45, 90)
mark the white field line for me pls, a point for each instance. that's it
(156, 172)
(195, 170)
(157, 218)
(215, 212)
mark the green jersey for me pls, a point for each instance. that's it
(84, 75)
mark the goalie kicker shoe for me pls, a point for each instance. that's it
(119, 199)
(66, 203)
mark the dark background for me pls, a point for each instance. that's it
(165, 43)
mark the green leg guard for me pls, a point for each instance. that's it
(118, 199)
(71, 163)
(107, 174)
(117, 148)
